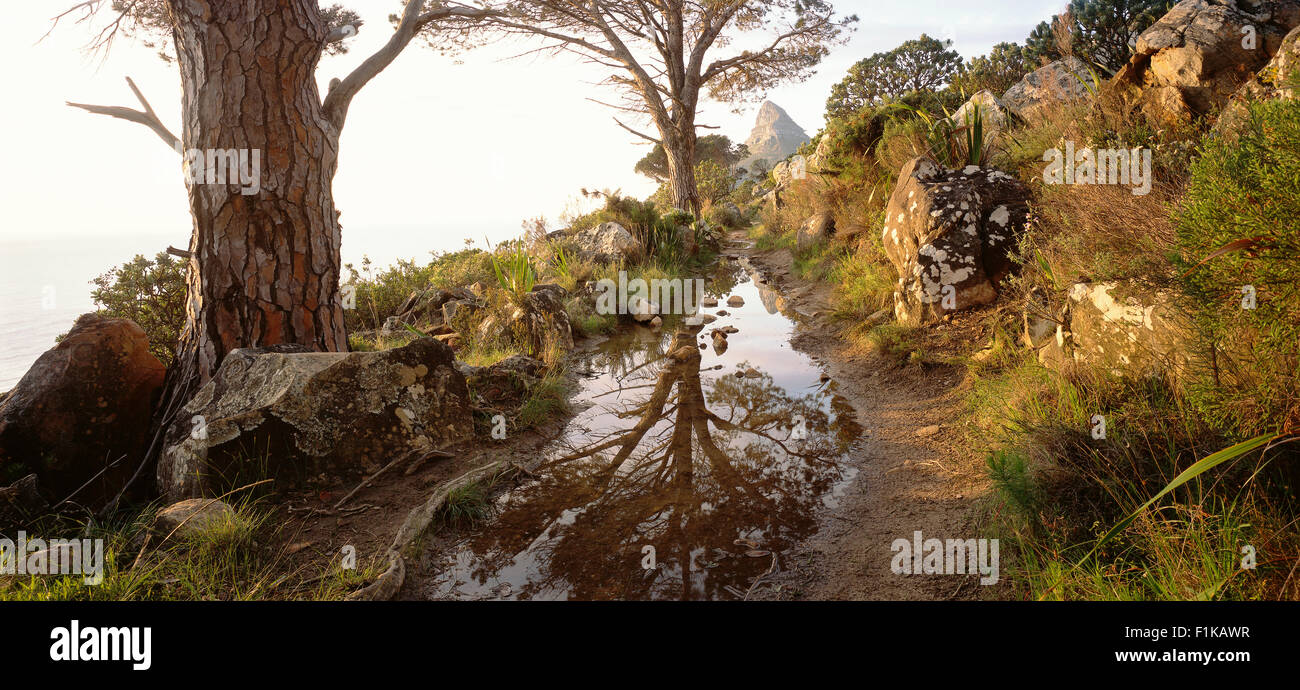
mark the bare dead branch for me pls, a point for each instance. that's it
(146, 117)
(647, 137)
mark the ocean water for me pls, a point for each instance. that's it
(45, 281)
(45, 285)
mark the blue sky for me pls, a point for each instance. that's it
(498, 141)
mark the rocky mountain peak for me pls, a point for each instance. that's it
(775, 136)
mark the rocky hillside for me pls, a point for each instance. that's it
(1104, 258)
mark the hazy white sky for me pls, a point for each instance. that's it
(494, 141)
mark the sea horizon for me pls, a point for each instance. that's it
(45, 282)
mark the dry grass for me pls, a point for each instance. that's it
(1105, 232)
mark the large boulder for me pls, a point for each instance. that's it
(948, 234)
(606, 243)
(84, 406)
(1195, 57)
(1057, 82)
(815, 229)
(289, 414)
(1122, 327)
(1274, 81)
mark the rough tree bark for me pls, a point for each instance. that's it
(681, 170)
(264, 267)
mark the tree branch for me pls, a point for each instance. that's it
(338, 99)
(146, 117)
(647, 137)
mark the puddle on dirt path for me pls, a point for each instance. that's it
(675, 462)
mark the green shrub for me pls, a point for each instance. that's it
(1237, 228)
(150, 293)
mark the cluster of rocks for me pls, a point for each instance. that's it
(503, 384)
(78, 425)
(432, 312)
(538, 321)
(950, 233)
(1193, 59)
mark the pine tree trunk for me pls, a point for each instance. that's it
(265, 266)
(681, 173)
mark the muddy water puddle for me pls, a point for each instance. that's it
(679, 479)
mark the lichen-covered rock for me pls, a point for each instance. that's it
(83, 406)
(1195, 57)
(288, 414)
(1057, 82)
(606, 243)
(1124, 328)
(948, 234)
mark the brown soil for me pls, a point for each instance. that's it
(905, 482)
(314, 533)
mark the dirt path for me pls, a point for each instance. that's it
(905, 482)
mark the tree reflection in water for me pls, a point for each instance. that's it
(696, 472)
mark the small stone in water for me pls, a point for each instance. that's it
(735, 301)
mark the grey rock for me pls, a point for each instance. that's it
(294, 414)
